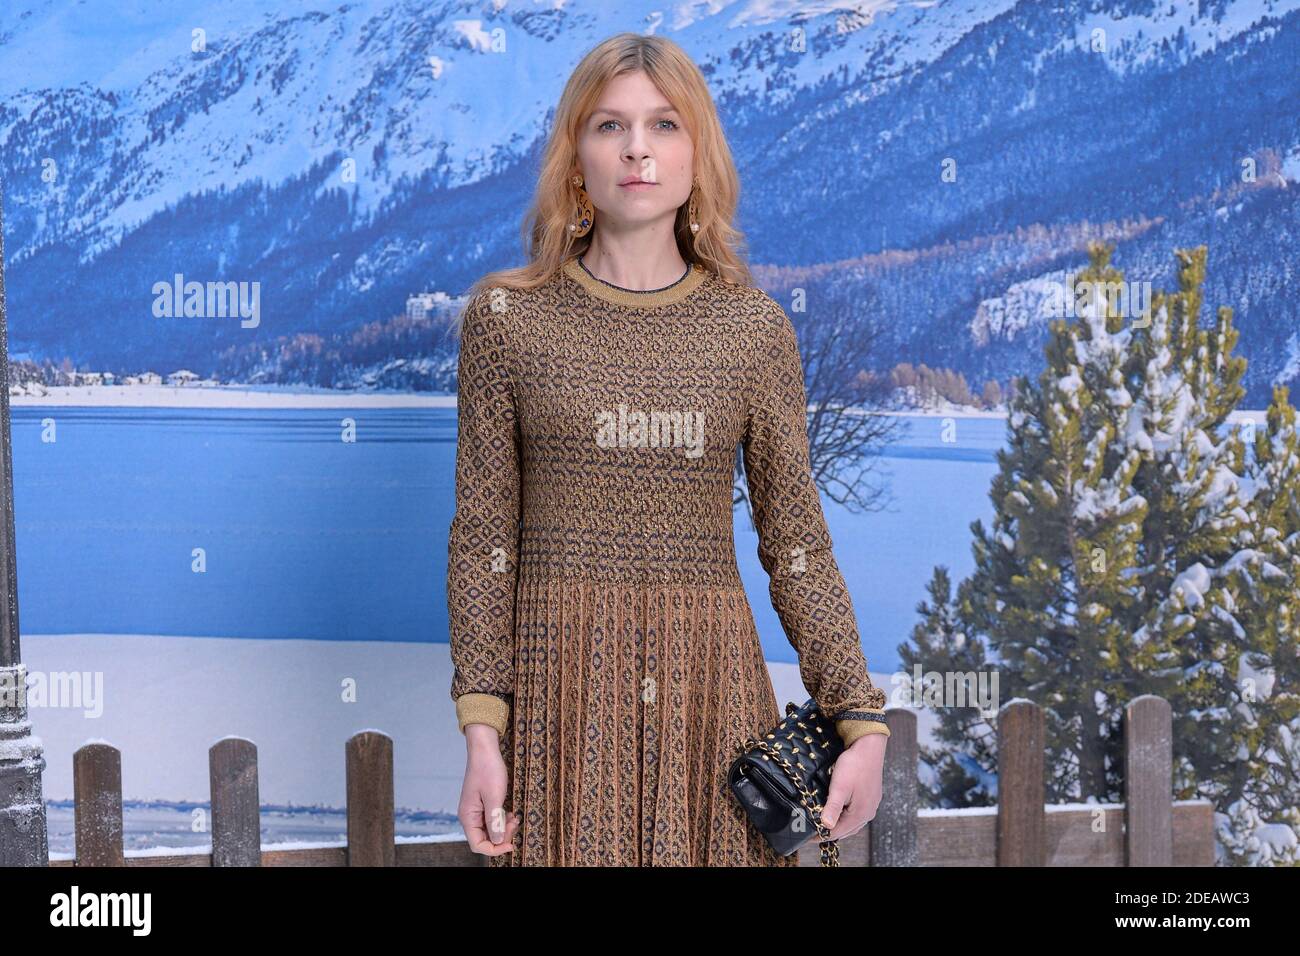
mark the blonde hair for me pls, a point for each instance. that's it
(545, 232)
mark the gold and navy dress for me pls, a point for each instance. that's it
(597, 616)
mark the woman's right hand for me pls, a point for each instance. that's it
(488, 828)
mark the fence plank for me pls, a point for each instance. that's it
(370, 800)
(1194, 838)
(1149, 781)
(97, 805)
(893, 837)
(236, 819)
(1022, 819)
(960, 837)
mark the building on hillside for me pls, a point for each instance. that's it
(425, 304)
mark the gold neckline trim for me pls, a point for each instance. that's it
(632, 299)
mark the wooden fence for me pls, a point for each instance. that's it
(1148, 829)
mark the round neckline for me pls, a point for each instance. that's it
(614, 285)
(636, 298)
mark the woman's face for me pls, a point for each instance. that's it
(635, 134)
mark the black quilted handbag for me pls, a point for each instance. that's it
(783, 780)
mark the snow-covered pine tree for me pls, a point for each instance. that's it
(961, 771)
(1128, 556)
(1259, 814)
(1197, 531)
(1052, 588)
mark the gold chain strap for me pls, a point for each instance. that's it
(830, 848)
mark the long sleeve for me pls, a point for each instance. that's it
(807, 589)
(483, 542)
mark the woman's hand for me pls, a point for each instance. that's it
(488, 828)
(855, 786)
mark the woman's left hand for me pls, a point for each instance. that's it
(855, 786)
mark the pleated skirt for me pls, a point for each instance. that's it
(630, 703)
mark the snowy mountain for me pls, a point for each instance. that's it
(346, 156)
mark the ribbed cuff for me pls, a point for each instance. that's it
(851, 730)
(483, 709)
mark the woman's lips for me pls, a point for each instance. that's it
(638, 187)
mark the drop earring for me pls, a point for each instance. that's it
(692, 214)
(586, 212)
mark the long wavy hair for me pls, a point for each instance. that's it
(546, 237)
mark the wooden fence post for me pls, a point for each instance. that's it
(371, 839)
(97, 805)
(892, 839)
(1148, 782)
(236, 819)
(1022, 815)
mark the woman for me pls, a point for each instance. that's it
(606, 663)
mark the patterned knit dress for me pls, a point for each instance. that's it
(597, 616)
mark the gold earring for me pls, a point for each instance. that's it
(692, 214)
(586, 212)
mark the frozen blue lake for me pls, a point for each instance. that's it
(304, 535)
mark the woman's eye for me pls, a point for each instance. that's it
(672, 124)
